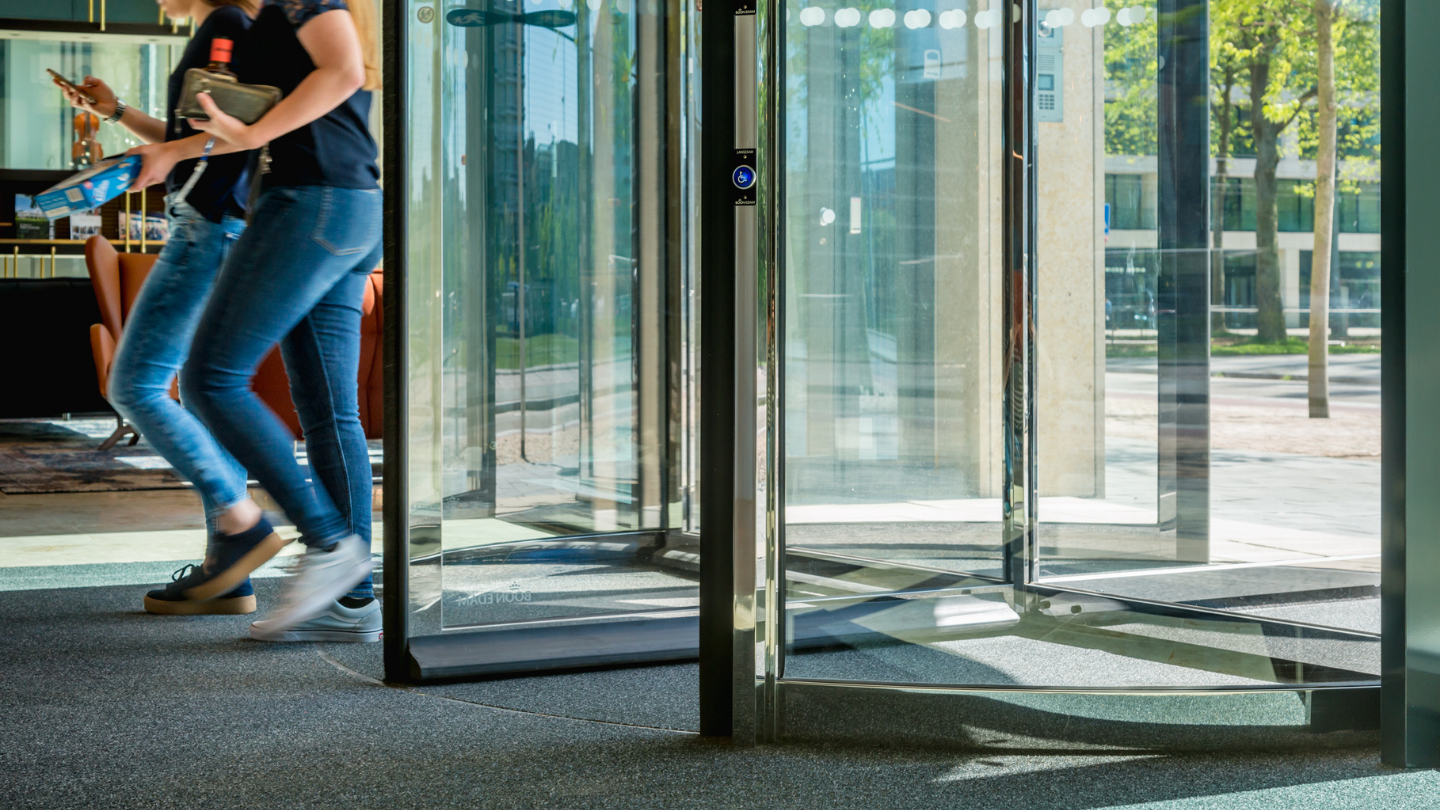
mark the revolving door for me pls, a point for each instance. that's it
(543, 481)
(894, 396)
(988, 503)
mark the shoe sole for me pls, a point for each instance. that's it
(230, 579)
(315, 603)
(358, 636)
(234, 606)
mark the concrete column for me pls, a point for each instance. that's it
(967, 294)
(1070, 314)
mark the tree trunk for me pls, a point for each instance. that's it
(1217, 219)
(1319, 371)
(1270, 318)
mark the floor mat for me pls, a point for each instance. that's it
(55, 455)
(52, 455)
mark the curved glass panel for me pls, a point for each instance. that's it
(543, 327)
(1156, 561)
(1186, 452)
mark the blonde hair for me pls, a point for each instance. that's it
(363, 12)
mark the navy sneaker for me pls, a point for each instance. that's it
(236, 556)
(172, 601)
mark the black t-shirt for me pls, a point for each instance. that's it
(224, 186)
(334, 150)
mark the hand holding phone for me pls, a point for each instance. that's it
(72, 87)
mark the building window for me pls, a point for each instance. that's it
(1239, 205)
(1297, 210)
(1130, 210)
(1360, 211)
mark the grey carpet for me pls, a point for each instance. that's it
(103, 706)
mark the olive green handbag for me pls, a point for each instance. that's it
(248, 102)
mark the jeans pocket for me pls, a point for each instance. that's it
(183, 219)
(344, 226)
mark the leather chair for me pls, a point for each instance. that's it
(117, 278)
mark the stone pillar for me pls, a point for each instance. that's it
(1070, 313)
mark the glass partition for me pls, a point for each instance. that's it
(545, 269)
(1036, 464)
(893, 291)
(1185, 453)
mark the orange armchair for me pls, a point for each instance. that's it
(117, 278)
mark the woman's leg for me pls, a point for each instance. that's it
(322, 356)
(278, 272)
(303, 243)
(153, 346)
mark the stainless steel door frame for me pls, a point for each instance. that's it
(729, 699)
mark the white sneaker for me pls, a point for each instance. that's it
(335, 623)
(321, 577)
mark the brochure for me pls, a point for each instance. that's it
(30, 221)
(85, 225)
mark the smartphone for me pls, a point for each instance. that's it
(89, 99)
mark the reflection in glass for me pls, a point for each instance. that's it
(35, 119)
(548, 313)
(1178, 512)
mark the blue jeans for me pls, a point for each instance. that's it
(153, 346)
(296, 276)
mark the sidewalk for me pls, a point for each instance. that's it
(1354, 369)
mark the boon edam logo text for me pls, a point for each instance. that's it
(512, 594)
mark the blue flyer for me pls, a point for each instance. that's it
(89, 189)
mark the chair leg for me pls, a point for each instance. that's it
(121, 432)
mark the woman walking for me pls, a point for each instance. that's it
(297, 276)
(206, 213)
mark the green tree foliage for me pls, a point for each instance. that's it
(1266, 47)
(1273, 43)
(1130, 94)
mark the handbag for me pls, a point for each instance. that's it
(247, 102)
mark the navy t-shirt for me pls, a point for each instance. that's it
(334, 150)
(223, 188)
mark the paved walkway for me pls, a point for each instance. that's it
(1355, 369)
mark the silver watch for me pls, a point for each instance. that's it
(118, 114)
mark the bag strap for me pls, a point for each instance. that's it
(199, 170)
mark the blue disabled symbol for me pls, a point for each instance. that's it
(744, 177)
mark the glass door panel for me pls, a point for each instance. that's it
(893, 315)
(922, 355)
(542, 330)
(894, 318)
(1179, 458)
